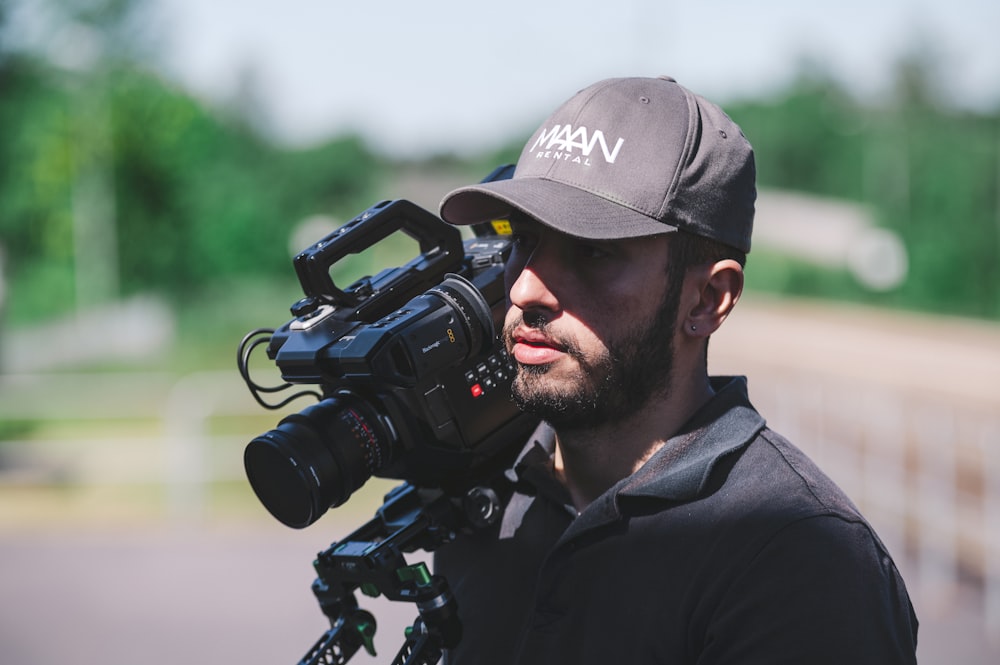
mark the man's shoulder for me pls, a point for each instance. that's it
(773, 491)
(786, 470)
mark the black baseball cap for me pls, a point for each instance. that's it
(627, 158)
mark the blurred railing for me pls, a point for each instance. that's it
(175, 448)
(925, 474)
(901, 411)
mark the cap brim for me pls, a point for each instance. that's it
(563, 207)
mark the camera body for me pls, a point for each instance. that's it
(413, 383)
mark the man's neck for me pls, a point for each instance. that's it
(590, 461)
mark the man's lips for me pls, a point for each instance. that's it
(534, 348)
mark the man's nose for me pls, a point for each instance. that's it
(534, 286)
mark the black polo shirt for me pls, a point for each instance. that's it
(728, 546)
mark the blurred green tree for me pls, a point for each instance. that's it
(196, 196)
(115, 180)
(930, 172)
(107, 167)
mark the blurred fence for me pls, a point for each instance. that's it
(900, 410)
(175, 448)
(925, 473)
(903, 412)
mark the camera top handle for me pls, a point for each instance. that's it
(441, 251)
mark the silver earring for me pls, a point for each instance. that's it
(693, 327)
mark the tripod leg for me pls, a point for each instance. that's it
(339, 644)
(419, 648)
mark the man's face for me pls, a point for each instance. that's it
(590, 325)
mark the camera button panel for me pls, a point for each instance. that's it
(489, 375)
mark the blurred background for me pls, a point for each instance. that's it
(162, 160)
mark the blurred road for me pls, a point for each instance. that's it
(162, 596)
(228, 595)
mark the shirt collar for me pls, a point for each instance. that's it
(679, 471)
(532, 472)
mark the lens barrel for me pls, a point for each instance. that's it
(315, 459)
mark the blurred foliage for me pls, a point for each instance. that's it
(196, 196)
(208, 199)
(200, 199)
(931, 174)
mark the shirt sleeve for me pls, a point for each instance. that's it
(823, 590)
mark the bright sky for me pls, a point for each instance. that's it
(454, 74)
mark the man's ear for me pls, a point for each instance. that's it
(712, 291)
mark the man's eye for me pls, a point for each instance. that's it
(590, 251)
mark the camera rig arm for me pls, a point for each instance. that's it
(372, 559)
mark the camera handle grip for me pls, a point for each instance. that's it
(441, 251)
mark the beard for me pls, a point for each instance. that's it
(634, 368)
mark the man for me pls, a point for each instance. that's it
(653, 517)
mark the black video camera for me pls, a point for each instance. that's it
(413, 381)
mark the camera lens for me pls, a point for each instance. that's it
(315, 459)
